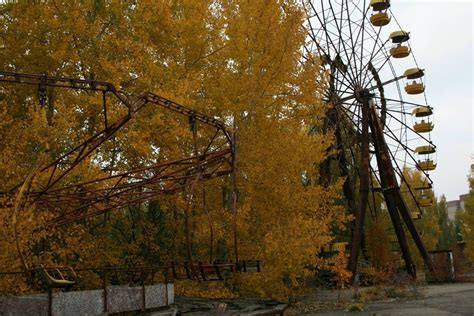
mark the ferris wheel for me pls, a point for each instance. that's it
(378, 110)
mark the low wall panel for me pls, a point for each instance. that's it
(170, 293)
(91, 302)
(78, 303)
(124, 298)
(28, 305)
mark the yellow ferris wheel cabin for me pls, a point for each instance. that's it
(399, 37)
(425, 201)
(380, 16)
(399, 51)
(414, 73)
(416, 215)
(423, 127)
(426, 165)
(380, 5)
(424, 186)
(422, 111)
(414, 87)
(380, 19)
(425, 150)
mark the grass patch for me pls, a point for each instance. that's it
(355, 308)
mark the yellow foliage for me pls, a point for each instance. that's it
(339, 267)
(238, 61)
(428, 225)
(466, 218)
(204, 289)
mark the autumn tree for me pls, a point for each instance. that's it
(467, 222)
(237, 61)
(428, 225)
(447, 236)
(272, 100)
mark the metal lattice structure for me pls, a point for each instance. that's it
(71, 201)
(85, 199)
(367, 59)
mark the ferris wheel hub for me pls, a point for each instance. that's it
(362, 94)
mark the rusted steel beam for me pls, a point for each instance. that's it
(363, 189)
(84, 203)
(391, 190)
(348, 186)
(60, 82)
(388, 187)
(173, 106)
(72, 202)
(330, 123)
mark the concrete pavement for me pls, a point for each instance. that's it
(438, 300)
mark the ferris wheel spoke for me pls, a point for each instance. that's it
(397, 111)
(408, 151)
(376, 41)
(374, 60)
(341, 39)
(372, 56)
(389, 82)
(348, 89)
(361, 27)
(329, 40)
(405, 102)
(315, 40)
(356, 117)
(401, 176)
(351, 37)
(340, 81)
(398, 138)
(420, 136)
(362, 47)
(312, 34)
(343, 84)
(385, 62)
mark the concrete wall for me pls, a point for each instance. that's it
(24, 305)
(78, 303)
(119, 299)
(156, 295)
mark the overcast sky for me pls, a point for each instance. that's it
(442, 42)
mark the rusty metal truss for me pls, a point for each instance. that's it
(71, 202)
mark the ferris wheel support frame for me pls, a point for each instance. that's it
(363, 189)
(396, 205)
(393, 188)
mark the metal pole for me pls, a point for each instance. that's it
(104, 287)
(363, 190)
(50, 301)
(403, 209)
(234, 196)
